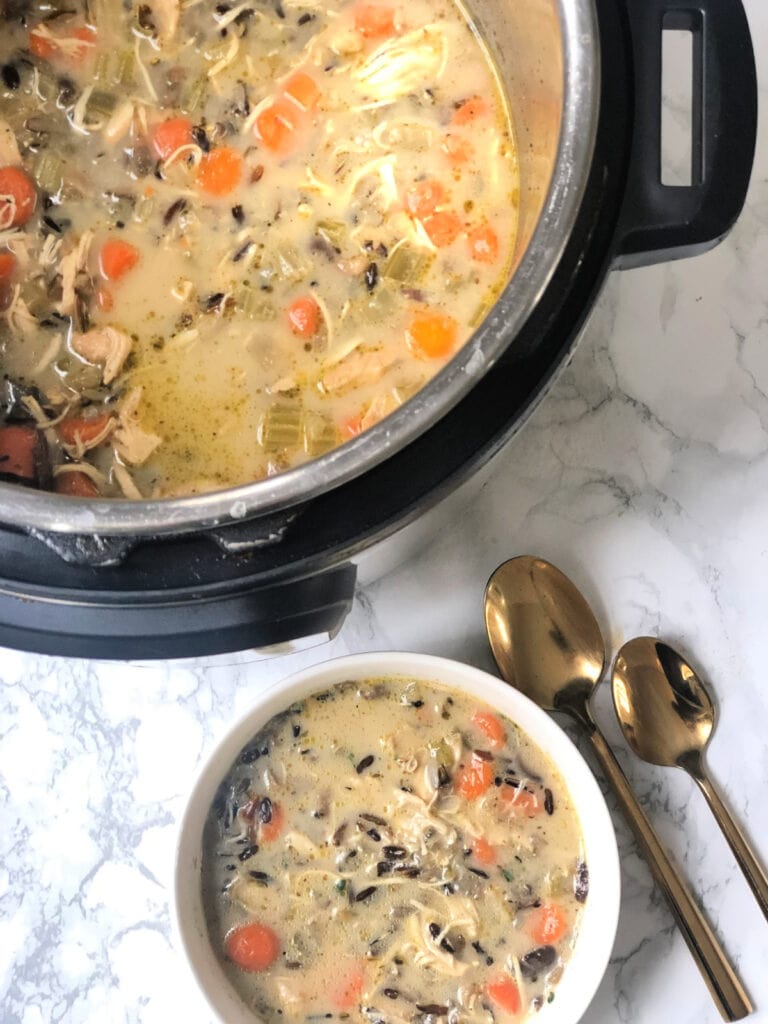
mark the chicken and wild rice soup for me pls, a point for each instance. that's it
(391, 851)
(234, 235)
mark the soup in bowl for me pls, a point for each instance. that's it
(395, 837)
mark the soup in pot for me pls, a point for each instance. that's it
(235, 235)
(390, 850)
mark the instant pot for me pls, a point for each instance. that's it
(276, 560)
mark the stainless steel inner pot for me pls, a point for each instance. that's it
(547, 56)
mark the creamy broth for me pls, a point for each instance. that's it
(243, 232)
(391, 850)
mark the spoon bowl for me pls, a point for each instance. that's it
(667, 717)
(543, 634)
(665, 712)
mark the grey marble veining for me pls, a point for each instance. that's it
(643, 474)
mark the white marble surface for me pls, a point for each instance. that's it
(643, 474)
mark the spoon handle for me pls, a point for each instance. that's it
(742, 851)
(724, 986)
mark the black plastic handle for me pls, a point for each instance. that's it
(662, 222)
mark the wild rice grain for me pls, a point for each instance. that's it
(248, 852)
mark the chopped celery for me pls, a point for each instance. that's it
(408, 264)
(254, 305)
(280, 427)
(102, 67)
(559, 882)
(125, 68)
(283, 263)
(319, 434)
(49, 173)
(289, 263)
(333, 232)
(194, 94)
(381, 304)
(100, 105)
(143, 209)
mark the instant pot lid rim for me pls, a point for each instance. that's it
(44, 511)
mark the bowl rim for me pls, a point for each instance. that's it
(594, 941)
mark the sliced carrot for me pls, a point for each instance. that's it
(49, 47)
(458, 150)
(483, 244)
(7, 270)
(87, 36)
(348, 993)
(473, 778)
(491, 727)
(83, 428)
(431, 335)
(252, 947)
(104, 299)
(443, 228)
(520, 803)
(18, 449)
(220, 171)
(483, 852)
(469, 110)
(117, 258)
(277, 126)
(18, 197)
(504, 993)
(303, 90)
(7, 265)
(375, 21)
(547, 924)
(353, 426)
(270, 830)
(304, 316)
(41, 46)
(171, 135)
(76, 485)
(424, 198)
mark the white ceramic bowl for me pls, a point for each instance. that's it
(598, 927)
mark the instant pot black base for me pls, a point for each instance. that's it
(289, 575)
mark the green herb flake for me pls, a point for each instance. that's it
(341, 885)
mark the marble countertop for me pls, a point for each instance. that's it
(643, 474)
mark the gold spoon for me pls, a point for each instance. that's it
(548, 645)
(667, 717)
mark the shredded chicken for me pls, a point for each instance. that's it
(106, 347)
(70, 266)
(126, 482)
(121, 122)
(357, 368)
(403, 64)
(133, 443)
